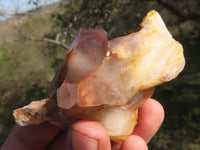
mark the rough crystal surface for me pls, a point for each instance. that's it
(137, 62)
(108, 81)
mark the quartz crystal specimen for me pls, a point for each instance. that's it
(107, 81)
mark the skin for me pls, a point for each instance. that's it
(87, 135)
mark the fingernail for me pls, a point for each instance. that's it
(83, 142)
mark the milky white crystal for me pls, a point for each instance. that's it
(107, 81)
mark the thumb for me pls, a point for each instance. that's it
(31, 137)
(89, 135)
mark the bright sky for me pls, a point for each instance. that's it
(9, 7)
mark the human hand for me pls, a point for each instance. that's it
(86, 135)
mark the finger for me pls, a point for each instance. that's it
(115, 146)
(85, 135)
(134, 142)
(31, 137)
(62, 141)
(151, 116)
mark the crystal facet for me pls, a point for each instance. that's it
(108, 81)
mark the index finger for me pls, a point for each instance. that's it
(151, 116)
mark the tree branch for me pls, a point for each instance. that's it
(170, 8)
(43, 39)
(175, 11)
(56, 42)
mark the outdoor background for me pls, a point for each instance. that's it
(35, 34)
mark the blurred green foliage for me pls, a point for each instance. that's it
(27, 67)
